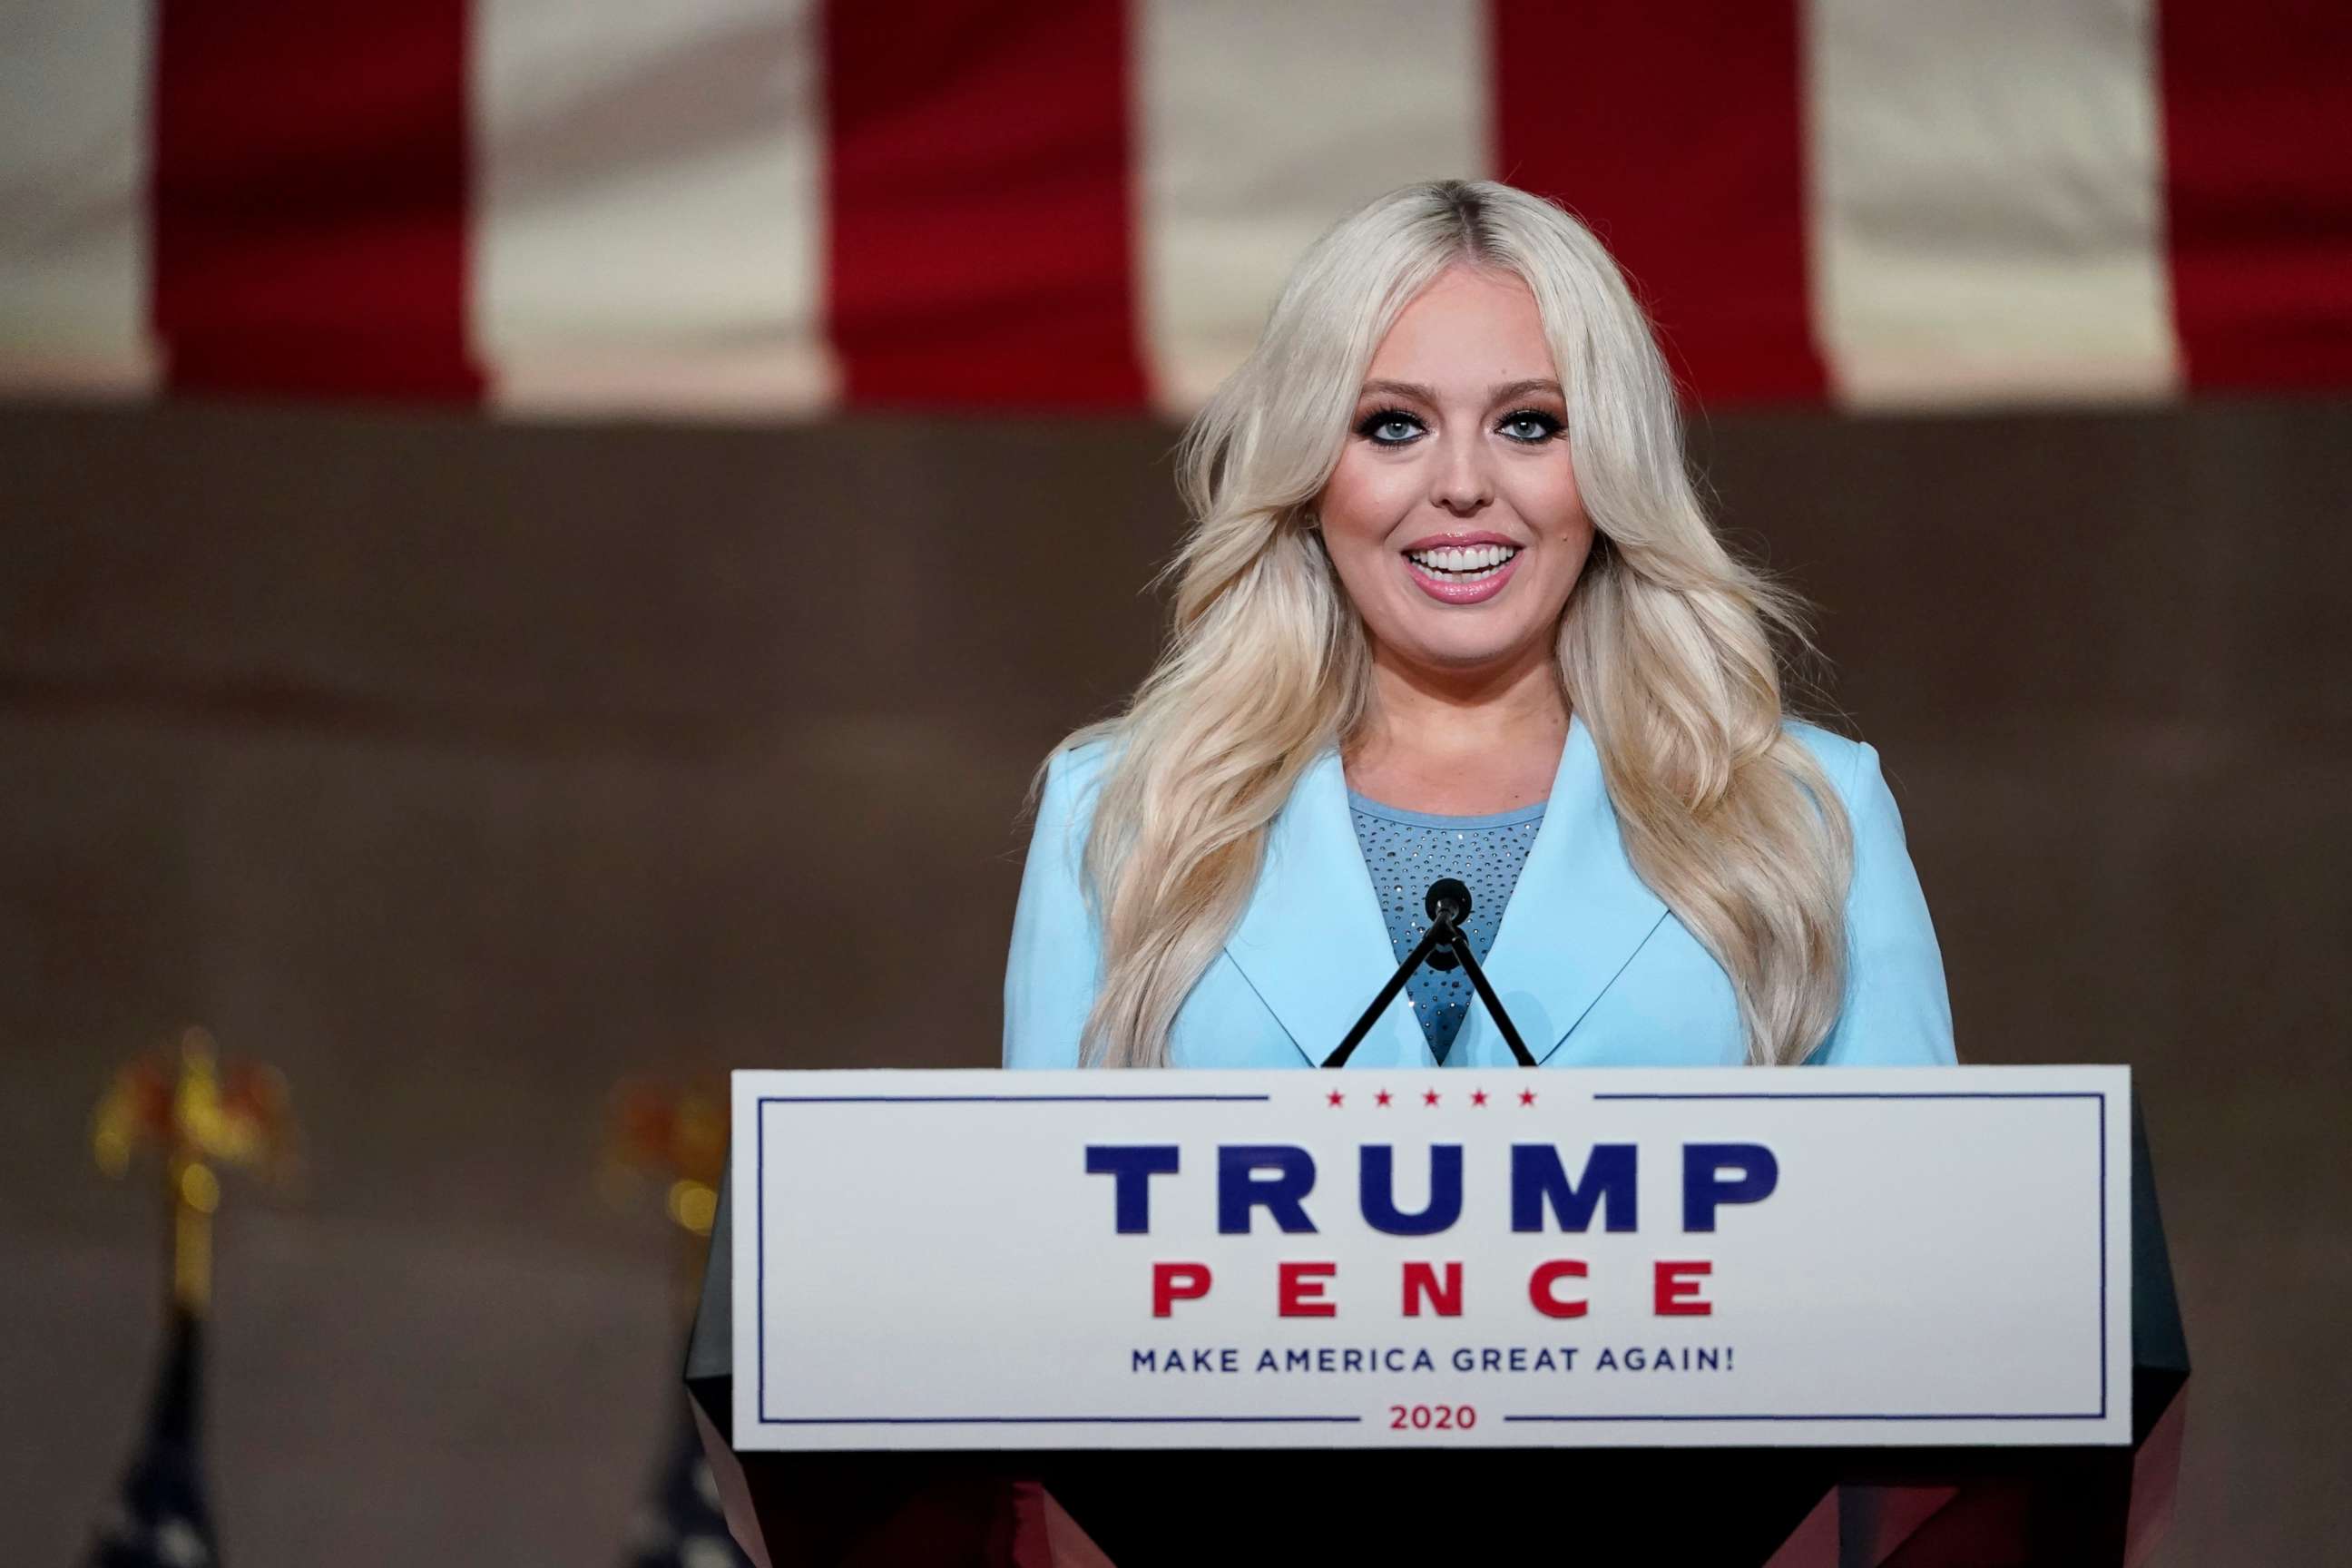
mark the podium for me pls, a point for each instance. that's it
(1900, 1507)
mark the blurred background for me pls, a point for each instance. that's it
(543, 541)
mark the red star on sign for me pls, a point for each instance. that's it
(1336, 1096)
(1429, 1097)
(1478, 1097)
(1382, 1098)
(1527, 1097)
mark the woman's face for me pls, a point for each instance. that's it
(1453, 518)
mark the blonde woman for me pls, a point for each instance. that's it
(1451, 606)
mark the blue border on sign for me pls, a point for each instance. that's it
(760, 1204)
(2099, 1095)
(759, 1197)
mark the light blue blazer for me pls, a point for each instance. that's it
(1594, 969)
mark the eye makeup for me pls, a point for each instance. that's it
(1380, 419)
(1546, 424)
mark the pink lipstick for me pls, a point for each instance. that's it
(1462, 568)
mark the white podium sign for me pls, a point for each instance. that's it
(1847, 1256)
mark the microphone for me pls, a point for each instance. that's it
(1448, 899)
(1448, 903)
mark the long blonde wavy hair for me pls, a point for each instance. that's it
(1667, 646)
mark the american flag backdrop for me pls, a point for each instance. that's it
(781, 208)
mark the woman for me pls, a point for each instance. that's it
(1450, 606)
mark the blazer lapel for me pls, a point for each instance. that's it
(1577, 916)
(1312, 941)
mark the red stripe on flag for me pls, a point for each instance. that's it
(1678, 135)
(2258, 176)
(982, 228)
(309, 191)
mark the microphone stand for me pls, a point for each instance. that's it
(1448, 902)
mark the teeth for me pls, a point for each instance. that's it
(1465, 560)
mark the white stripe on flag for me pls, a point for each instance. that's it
(1987, 220)
(75, 138)
(1258, 126)
(648, 220)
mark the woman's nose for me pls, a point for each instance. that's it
(1462, 484)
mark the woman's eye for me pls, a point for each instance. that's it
(1390, 430)
(1530, 425)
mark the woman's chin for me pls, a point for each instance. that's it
(1454, 656)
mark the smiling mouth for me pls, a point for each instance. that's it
(1463, 563)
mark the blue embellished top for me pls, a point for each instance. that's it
(1406, 851)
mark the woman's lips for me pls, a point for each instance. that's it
(1448, 590)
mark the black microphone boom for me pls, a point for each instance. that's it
(1448, 903)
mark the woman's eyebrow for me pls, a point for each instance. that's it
(1522, 388)
(1423, 393)
(1412, 389)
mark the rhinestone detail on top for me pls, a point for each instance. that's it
(1405, 851)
